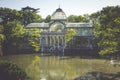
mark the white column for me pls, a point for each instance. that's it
(50, 40)
(62, 37)
(53, 40)
(58, 40)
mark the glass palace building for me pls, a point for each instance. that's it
(53, 33)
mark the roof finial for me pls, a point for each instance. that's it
(59, 5)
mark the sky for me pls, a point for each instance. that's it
(70, 7)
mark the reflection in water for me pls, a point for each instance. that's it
(50, 68)
(69, 68)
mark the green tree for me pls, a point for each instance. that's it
(47, 19)
(8, 14)
(71, 18)
(74, 18)
(86, 18)
(70, 36)
(25, 15)
(95, 18)
(15, 36)
(29, 15)
(1, 34)
(107, 32)
(13, 32)
(32, 38)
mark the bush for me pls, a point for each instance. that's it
(10, 71)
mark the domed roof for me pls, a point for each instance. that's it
(58, 15)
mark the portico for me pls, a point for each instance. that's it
(50, 39)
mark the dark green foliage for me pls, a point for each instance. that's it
(25, 16)
(47, 19)
(32, 38)
(2, 38)
(29, 15)
(13, 31)
(8, 14)
(107, 30)
(74, 18)
(70, 36)
(10, 71)
(1, 34)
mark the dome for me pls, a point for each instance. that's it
(58, 15)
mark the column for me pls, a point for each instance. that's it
(50, 40)
(53, 41)
(62, 37)
(58, 40)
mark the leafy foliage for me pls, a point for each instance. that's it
(10, 71)
(1, 34)
(2, 38)
(13, 33)
(8, 14)
(47, 19)
(29, 15)
(108, 30)
(74, 18)
(13, 29)
(33, 38)
(69, 36)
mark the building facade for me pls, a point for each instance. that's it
(53, 33)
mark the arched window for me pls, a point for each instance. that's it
(57, 27)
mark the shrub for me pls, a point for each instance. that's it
(10, 71)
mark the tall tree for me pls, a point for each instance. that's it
(8, 14)
(12, 22)
(29, 15)
(13, 32)
(108, 31)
